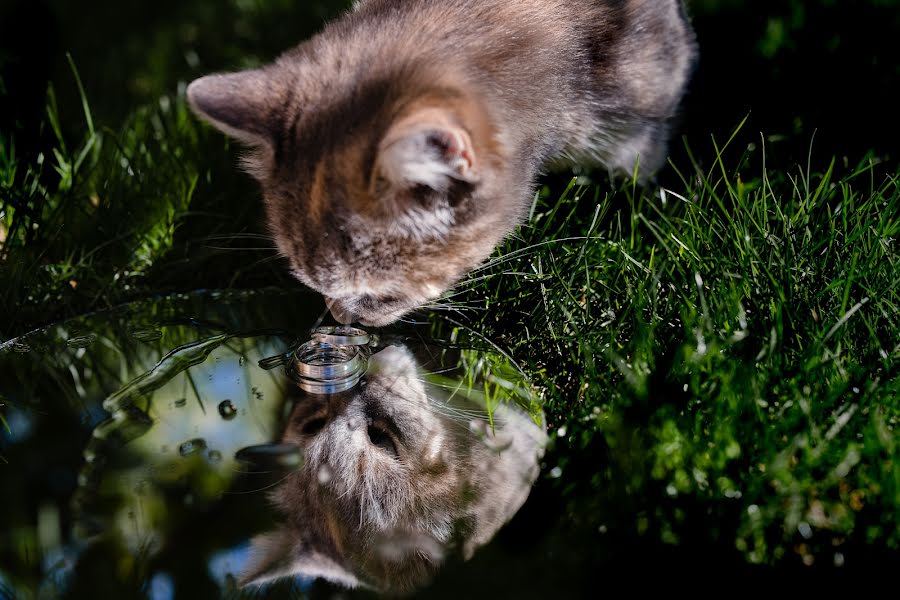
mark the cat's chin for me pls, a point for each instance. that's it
(367, 317)
(379, 321)
(348, 318)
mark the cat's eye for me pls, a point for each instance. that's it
(380, 438)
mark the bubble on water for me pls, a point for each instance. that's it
(214, 456)
(81, 341)
(146, 335)
(227, 410)
(181, 402)
(192, 447)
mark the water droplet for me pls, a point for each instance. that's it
(227, 410)
(181, 402)
(214, 456)
(146, 335)
(81, 341)
(192, 446)
(555, 472)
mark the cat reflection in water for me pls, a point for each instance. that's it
(394, 479)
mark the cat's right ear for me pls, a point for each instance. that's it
(238, 104)
(429, 148)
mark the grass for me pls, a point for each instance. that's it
(728, 344)
(100, 216)
(718, 352)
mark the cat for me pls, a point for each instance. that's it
(399, 146)
(396, 476)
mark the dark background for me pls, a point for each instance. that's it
(829, 66)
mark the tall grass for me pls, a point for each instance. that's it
(719, 354)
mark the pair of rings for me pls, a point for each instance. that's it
(333, 361)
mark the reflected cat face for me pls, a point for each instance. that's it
(394, 480)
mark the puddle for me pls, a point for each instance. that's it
(172, 445)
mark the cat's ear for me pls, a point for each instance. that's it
(238, 104)
(428, 147)
(281, 553)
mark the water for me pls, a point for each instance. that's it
(167, 436)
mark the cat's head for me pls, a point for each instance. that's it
(395, 478)
(382, 188)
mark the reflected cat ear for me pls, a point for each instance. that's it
(428, 147)
(281, 553)
(238, 104)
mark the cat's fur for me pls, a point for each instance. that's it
(400, 145)
(394, 478)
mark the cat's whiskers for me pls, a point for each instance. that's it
(262, 489)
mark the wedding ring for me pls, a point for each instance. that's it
(324, 368)
(341, 335)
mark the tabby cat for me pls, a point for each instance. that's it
(399, 146)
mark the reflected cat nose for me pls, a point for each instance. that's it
(340, 314)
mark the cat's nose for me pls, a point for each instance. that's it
(340, 313)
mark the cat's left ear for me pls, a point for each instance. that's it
(240, 104)
(430, 148)
(281, 553)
